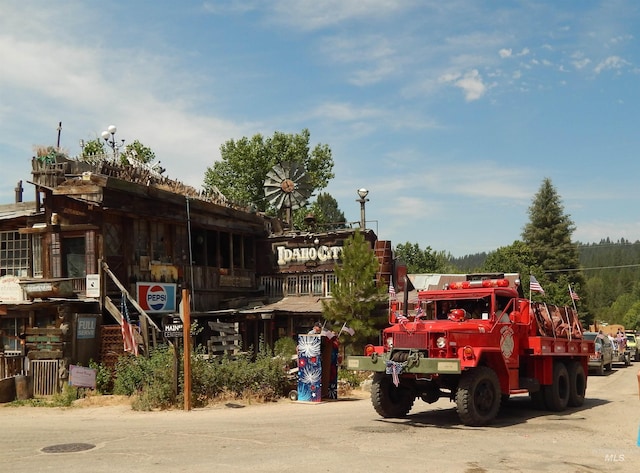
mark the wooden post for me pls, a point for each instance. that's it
(186, 327)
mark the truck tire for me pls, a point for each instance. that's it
(389, 400)
(577, 383)
(556, 395)
(478, 396)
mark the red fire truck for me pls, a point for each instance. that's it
(477, 341)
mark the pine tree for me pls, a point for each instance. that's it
(548, 235)
(355, 293)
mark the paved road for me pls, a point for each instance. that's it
(339, 436)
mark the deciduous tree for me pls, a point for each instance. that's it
(241, 172)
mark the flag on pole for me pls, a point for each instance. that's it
(128, 330)
(349, 330)
(401, 318)
(392, 292)
(419, 312)
(574, 295)
(535, 286)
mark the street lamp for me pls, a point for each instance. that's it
(109, 135)
(362, 193)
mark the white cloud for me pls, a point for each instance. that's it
(505, 53)
(317, 14)
(611, 63)
(471, 84)
(581, 63)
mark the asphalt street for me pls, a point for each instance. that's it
(338, 436)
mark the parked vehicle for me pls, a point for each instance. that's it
(632, 344)
(476, 342)
(602, 359)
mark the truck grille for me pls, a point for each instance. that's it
(411, 340)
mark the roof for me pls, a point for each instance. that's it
(294, 304)
(17, 210)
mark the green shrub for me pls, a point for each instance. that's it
(353, 378)
(104, 378)
(285, 347)
(260, 377)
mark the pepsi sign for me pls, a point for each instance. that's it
(156, 297)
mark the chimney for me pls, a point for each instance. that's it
(19, 190)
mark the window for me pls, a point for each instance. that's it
(14, 254)
(305, 284)
(331, 280)
(74, 257)
(36, 251)
(316, 283)
(272, 286)
(10, 329)
(292, 285)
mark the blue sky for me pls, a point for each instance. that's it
(450, 112)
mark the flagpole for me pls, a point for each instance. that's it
(573, 301)
(343, 326)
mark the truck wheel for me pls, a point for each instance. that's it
(478, 396)
(556, 395)
(577, 383)
(389, 400)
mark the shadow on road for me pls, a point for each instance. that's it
(517, 410)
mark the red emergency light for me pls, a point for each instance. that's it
(485, 283)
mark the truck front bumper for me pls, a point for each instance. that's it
(379, 363)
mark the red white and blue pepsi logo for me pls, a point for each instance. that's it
(157, 297)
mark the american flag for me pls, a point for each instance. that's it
(574, 295)
(535, 286)
(401, 318)
(419, 312)
(128, 330)
(392, 291)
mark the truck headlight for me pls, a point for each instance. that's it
(390, 342)
(441, 342)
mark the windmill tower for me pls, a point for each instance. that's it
(287, 187)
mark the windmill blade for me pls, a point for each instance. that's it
(277, 174)
(296, 171)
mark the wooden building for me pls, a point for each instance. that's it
(102, 239)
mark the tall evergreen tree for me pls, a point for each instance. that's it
(355, 293)
(548, 235)
(326, 215)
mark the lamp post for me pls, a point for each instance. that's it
(362, 193)
(109, 135)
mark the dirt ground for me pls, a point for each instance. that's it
(333, 436)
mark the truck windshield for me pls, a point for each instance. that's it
(477, 308)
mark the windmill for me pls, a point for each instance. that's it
(288, 187)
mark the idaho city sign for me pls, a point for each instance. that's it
(311, 253)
